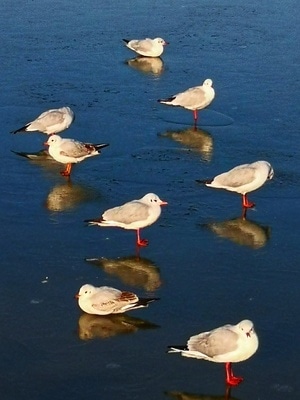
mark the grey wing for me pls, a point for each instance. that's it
(191, 96)
(113, 299)
(238, 176)
(105, 298)
(73, 148)
(142, 45)
(127, 213)
(51, 117)
(217, 342)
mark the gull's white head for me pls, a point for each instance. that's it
(67, 110)
(247, 327)
(153, 199)
(208, 82)
(266, 168)
(86, 290)
(160, 41)
(54, 140)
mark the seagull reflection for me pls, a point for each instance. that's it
(242, 232)
(38, 155)
(105, 326)
(192, 396)
(147, 65)
(41, 158)
(197, 140)
(133, 270)
(66, 196)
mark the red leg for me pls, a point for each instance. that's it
(230, 378)
(67, 171)
(139, 241)
(246, 202)
(195, 117)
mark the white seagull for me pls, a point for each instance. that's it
(147, 47)
(70, 151)
(135, 214)
(243, 179)
(227, 344)
(106, 300)
(195, 98)
(50, 122)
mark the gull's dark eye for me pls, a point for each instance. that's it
(86, 292)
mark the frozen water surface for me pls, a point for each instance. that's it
(207, 265)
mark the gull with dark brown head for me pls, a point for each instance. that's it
(194, 99)
(227, 344)
(50, 122)
(135, 214)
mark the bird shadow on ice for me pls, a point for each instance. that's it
(40, 158)
(67, 196)
(241, 231)
(106, 326)
(207, 118)
(147, 65)
(63, 196)
(197, 140)
(193, 396)
(132, 270)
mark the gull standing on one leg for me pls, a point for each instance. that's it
(135, 214)
(243, 179)
(227, 344)
(195, 98)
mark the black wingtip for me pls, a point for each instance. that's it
(145, 301)
(126, 40)
(178, 347)
(19, 153)
(23, 129)
(89, 221)
(94, 221)
(101, 146)
(168, 100)
(204, 181)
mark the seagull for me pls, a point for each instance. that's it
(50, 122)
(135, 214)
(227, 344)
(146, 47)
(106, 300)
(70, 151)
(195, 98)
(243, 179)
